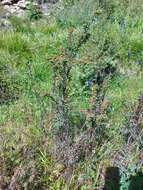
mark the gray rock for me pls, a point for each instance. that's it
(6, 2)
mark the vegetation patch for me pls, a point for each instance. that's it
(71, 98)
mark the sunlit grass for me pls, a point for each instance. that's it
(26, 55)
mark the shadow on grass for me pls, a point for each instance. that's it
(112, 180)
(136, 182)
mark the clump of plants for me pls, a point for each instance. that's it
(72, 82)
(34, 12)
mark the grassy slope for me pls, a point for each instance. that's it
(25, 52)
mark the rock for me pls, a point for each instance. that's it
(22, 4)
(6, 2)
(18, 7)
(5, 23)
(6, 7)
(21, 13)
(14, 1)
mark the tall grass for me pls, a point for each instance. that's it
(30, 52)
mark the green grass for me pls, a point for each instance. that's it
(26, 52)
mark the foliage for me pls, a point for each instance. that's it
(69, 93)
(34, 12)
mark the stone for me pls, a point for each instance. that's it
(14, 1)
(18, 7)
(6, 2)
(22, 4)
(6, 7)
